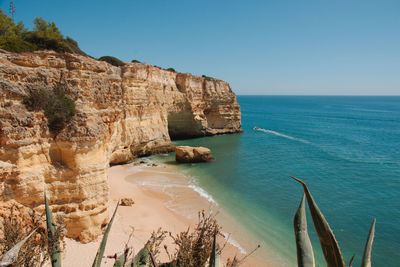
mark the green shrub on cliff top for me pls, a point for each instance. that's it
(45, 35)
(15, 44)
(112, 60)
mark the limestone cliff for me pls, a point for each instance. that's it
(123, 112)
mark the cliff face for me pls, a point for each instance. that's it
(122, 113)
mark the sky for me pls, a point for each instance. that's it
(265, 47)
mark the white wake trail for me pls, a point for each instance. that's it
(283, 135)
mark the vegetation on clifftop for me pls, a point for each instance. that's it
(171, 69)
(44, 35)
(112, 60)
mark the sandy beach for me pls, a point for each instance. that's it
(163, 199)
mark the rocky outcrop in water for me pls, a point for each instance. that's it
(122, 113)
(188, 154)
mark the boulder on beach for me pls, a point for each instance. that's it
(127, 202)
(188, 154)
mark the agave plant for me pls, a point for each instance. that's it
(329, 245)
(102, 247)
(11, 256)
(123, 259)
(54, 243)
(53, 240)
(214, 257)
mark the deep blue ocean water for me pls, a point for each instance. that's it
(347, 149)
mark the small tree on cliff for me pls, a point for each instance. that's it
(45, 35)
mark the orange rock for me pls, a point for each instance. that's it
(188, 154)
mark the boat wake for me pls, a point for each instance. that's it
(282, 135)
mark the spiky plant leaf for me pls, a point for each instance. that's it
(366, 260)
(53, 240)
(214, 250)
(305, 254)
(142, 256)
(102, 247)
(217, 260)
(329, 245)
(120, 260)
(11, 256)
(351, 260)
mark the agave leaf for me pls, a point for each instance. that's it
(53, 241)
(366, 261)
(142, 257)
(214, 250)
(217, 260)
(351, 260)
(120, 260)
(329, 245)
(305, 254)
(102, 247)
(11, 256)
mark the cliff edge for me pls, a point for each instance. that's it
(122, 113)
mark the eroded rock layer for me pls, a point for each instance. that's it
(122, 113)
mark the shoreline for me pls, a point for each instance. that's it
(163, 198)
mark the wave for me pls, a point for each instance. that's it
(203, 193)
(283, 135)
(158, 184)
(233, 242)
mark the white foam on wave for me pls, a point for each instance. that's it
(233, 242)
(157, 184)
(202, 193)
(283, 135)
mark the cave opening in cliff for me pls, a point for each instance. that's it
(182, 125)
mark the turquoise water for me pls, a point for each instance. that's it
(346, 148)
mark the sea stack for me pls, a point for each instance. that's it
(188, 154)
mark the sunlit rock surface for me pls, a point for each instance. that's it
(122, 113)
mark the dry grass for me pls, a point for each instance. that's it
(17, 226)
(191, 248)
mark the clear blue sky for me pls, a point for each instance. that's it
(259, 47)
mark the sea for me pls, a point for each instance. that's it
(347, 150)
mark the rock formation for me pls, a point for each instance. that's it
(122, 113)
(126, 201)
(188, 154)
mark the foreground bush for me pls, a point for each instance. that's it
(195, 248)
(30, 227)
